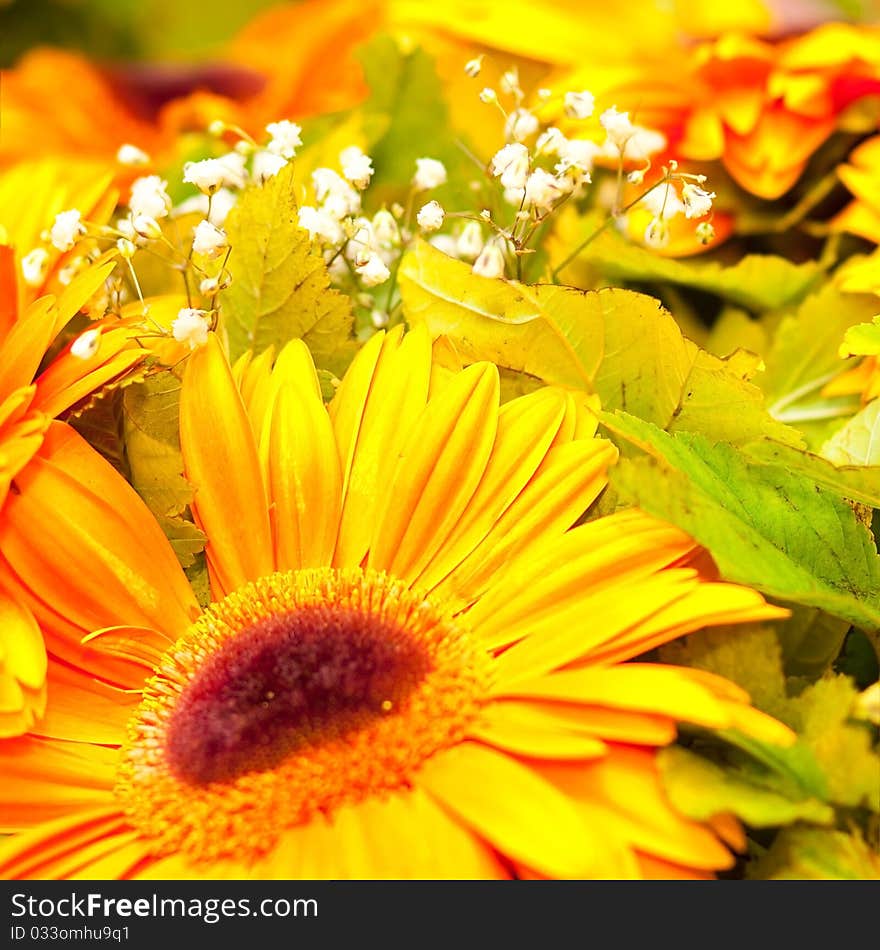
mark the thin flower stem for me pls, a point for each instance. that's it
(604, 227)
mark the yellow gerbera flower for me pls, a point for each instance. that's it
(33, 393)
(412, 665)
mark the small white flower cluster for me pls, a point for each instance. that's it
(664, 203)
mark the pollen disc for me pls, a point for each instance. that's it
(294, 695)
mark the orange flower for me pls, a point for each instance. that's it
(861, 175)
(30, 397)
(411, 666)
(761, 108)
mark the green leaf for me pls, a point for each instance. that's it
(280, 286)
(858, 442)
(841, 749)
(864, 339)
(839, 472)
(804, 355)
(817, 854)
(618, 343)
(700, 789)
(153, 445)
(406, 93)
(765, 526)
(757, 282)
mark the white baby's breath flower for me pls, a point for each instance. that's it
(85, 346)
(67, 229)
(657, 233)
(266, 164)
(356, 166)
(191, 327)
(705, 232)
(663, 202)
(132, 155)
(617, 126)
(430, 216)
(222, 203)
(510, 82)
(490, 262)
(211, 174)
(429, 174)
(379, 318)
(149, 196)
(34, 266)
(372, 271)
(543, 190)
(511, 165)
(520, 125)
(473, 66)
(335, 194)
(126, 229)
(577, 155)
(488, 95)
(579, 105)
(126, 248)
(385, 229)
(550, 142)
(210, 285)
(697, 202)
(285, 138)
(208, 239)
(146, 226)
(321, 225)
(470, 241)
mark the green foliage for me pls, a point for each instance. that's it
(408, 108)
(699, 788)
(153, 444)
(280, 286)
(618, 343)
(831, 745)
(804, 356)
(863, 339)
(758, 282)
(765, 525)
(858, 442)
(817, 854)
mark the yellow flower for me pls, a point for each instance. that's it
(31, 393)
(861, 174)
(413, 666)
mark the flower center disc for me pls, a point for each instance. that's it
(294, 695)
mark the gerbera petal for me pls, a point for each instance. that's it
(45, 779)
(622, 793)
(529, 733)
(403, 836)
(68, 379)
(512, 808)
(618, 549)
(556, 639)
(303, 478)
(706, 604)
(82, 709)
(566, 483)
(526, 429)
(40, 853)
(642, 687)
(221, 462)
(22, 667)
(439, 468)
(77, 531)
(390, 371)
(25, 346)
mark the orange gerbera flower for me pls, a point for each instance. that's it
(411, 666)
(861, 174)
(31, 396)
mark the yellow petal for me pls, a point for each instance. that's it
(437, 473)
(221, 462)
(512, 808)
